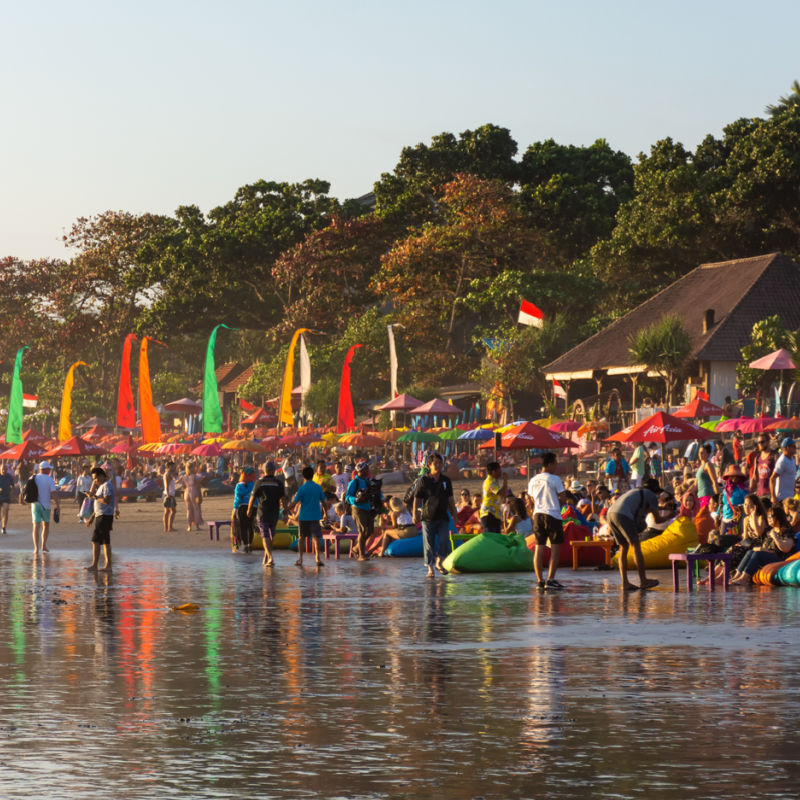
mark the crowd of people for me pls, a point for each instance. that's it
(742, 502)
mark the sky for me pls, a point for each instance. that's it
(145, 106)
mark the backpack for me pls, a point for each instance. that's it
(30, 493)
(411, 492)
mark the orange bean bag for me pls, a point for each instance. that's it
(767, 576)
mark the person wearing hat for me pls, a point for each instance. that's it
(782, 480)
(401, 524)
(269, 495)
(358, 498)
(40, 510)
(103, 492)
(732, 497)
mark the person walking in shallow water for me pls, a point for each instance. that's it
(103, 493)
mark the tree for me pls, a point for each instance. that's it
(428, 273)
(786, 101)
(768, 335)
(663, 347)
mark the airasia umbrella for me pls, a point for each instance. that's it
(74, 447)
(698, 408)
(27, 450)
(528, 436)
(661, 427)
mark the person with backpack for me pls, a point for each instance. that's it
(434, 496)
(363, 502)
(39, 491)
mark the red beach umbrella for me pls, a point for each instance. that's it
(528, 436)
(27, 450)
(437, 407)
(403, 402)
(661, 427)
(698, 408)
(566, 426)
(73, 447)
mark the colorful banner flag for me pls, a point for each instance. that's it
(529, 314)
(212, 412)
(126, 413)
(14, 424)
(151, 422)
(64, 428)
(346, 416)
(30, 400)
(285, 414)
(305, 374)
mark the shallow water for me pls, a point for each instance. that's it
(369, 681)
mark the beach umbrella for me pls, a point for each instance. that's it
(98, 422)
(449, 435)
(392, 435)
(125, 447)
(758, 424)
(207, 450)
(259, 417)
(567, 426)
(698, 408)
(403, 402)
(790, 424)
(661, 427)
(25, 451)
(173, 449)
(33, 435)
(529, 436)
(418, 436)
(244, 446)
(477, 435)
(780, 359)
(595, 426)
(713, 424)
(214, 440)
(149, 447)
(729, 425)
(184, 406)
(436, 407)
(360, 440)
(73, 447)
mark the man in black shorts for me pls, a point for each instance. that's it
(270, 494)
(626, 519)
(547, 492)
(103, 494)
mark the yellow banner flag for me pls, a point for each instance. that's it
(285, 415)
(64, 428)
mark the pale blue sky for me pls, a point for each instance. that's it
(147, 105)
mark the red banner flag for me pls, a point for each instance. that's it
(346, 417)
(126, 414)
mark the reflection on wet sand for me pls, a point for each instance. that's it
(372, 681)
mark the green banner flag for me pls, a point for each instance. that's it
(212, 413)
(14, 426)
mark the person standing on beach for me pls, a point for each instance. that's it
(359, 499)
(340, 480)
(626, 519)
(435, 494)
(548, 493)
(6, 485)
(82, 485)
(103, 492)
(495, 486)
(782, 480)
(270, 495)
(40, 510)
(311, 500)
(168, 493)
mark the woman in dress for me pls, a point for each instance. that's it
(193, 497)
(706, 476)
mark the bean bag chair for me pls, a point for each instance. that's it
(405, 548)
(280, 541)
(491, 552)
(768, 575)
(677, 538)
(588, 557)
(788, 573)
(704, 523)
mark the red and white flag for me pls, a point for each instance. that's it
(30, 400)
(529, 314)
(558, 390)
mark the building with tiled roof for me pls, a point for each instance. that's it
(718, 303)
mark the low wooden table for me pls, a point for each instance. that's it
(692, 561)
(336, 538)
(576, 545)
(215, 525)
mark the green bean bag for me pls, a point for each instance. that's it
(677, 538)
(491, 552)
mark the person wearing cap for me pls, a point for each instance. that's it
(782, 480)
(103, 492)
(40, 510)
(269, 495)
(362, 508)
(732, 495)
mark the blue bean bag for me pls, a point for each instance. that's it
(405, 548)
(789, 574)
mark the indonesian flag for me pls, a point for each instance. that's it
(245, 406)
(558, 390)
(529, 314)
(30, 400)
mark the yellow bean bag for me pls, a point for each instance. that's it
(677, 538)
(280, 541)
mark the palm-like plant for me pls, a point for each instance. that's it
(787, 101)
(663, 347)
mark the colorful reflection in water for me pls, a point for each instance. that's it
(369, 681)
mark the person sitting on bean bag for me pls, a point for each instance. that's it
(778, 544)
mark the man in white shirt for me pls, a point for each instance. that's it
(782, 480)
(40, 510)
(547, 492)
